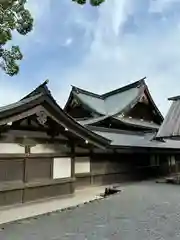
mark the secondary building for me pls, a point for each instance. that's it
(129, 118)
(46, 151)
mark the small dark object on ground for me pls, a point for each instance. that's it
(110, 191)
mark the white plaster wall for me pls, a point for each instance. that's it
(49, 148)
(82, 165)
(43, 148)
(11, 148)
(61, 168)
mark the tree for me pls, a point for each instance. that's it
(92, 2)
(13, 16)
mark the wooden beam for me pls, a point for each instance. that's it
(32, 134)
(20, 116)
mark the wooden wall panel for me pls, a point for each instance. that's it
(105, 166)
(81, 150)
(106, 179)
(11, 170)
(83, 181)
(10, 197)
(32, 194)
(38, 168)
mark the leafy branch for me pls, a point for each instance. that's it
(13, 16)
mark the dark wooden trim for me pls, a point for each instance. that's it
(25, 170)
(21, 115)
(17, 185)
(110, 173)
(72, 160)
(91, 162)
(11, 185)
(82, 132)
(27, 150)
(78, 175)
(33, 155)
(51, 166)
(48, 182)
(15, 156)
(11, 156)
(49, 155)
(43, 136)
(53, 110)
(82, 155)
(24, 176)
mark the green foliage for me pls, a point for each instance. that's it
(13, 16)
(92, 2)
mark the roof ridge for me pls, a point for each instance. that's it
(124, 88)
(80, 90)
(42, 88)
(175, 98)
(105, 95)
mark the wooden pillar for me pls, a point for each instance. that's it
(27, 153)
(73, 155)
(91, 172)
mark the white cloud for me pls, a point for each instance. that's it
(38, 10)
(116, 57)
(67, 42)
(161, 5)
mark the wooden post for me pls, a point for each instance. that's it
(91, 172)
(27, 153)
(72, 160)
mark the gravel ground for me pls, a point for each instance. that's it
(142, 211)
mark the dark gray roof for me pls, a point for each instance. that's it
(94, 103)
(20, 103)
(115, 102)
(135, 140)
(41, 89)
(110, 103)
(92, 120)
(128, 121)
(170, 127)
(42, 96)
(137, 122)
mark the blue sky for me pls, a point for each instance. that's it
(99, 49)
